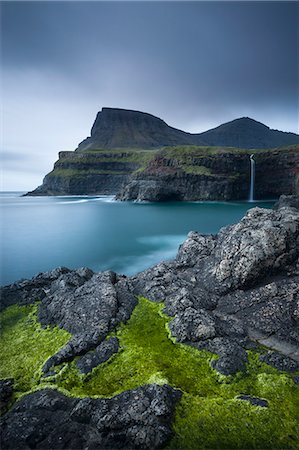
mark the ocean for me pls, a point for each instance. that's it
(41, 233)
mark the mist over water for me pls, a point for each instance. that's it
(41, 233)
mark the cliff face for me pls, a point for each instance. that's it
(214, 174)
(92, 172)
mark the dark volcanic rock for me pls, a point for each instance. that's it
(280, 362)
(255, 401)
(232, 355)
(272, 308)
(6, 392)
(47, 419)
(221, 287)
(264, 242)
(89, 312)
(85, 304)
(193, 325)
(102, 353)
(289, 201)
(24, 292)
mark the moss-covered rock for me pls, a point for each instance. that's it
(209, 415)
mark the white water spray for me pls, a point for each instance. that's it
(252, 177)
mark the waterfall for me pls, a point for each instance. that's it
(252, 176)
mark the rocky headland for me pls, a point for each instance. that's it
(197, 352)
(137, 156)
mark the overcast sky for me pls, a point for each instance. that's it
(193, 64)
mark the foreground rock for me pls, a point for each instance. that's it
(85, 304)
(225, 290)
(225, 293)
(47, 419)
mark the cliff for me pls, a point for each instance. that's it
(212, 173)
(92, 172)
(131, 154)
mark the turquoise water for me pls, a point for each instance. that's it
(41, 233)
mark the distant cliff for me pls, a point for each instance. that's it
(131, 154)
(214, 173)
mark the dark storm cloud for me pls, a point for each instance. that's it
(194, 64)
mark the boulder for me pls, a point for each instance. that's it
(47, 419)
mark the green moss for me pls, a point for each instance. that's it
(146, 354)
(25, 346)
(198, 170)
(209, 416)
(188, 151)
(71, 173)
(108, 156)
(218, 423)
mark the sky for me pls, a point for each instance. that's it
(193, 64)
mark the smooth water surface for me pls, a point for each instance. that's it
(41, 233)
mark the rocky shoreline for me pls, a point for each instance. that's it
(225, 294)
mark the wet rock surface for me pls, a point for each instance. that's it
(291, 201)
(280, 362)
(102, 353)
(48, 419)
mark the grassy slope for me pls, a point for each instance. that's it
(184, 155)
(208, 416)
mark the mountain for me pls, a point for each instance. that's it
(247, 133)
(122, 128)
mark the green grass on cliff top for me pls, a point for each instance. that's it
(208, 417)
(71, 173)
(203, 151)
(188, 158)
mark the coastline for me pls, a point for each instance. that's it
(203, 293)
